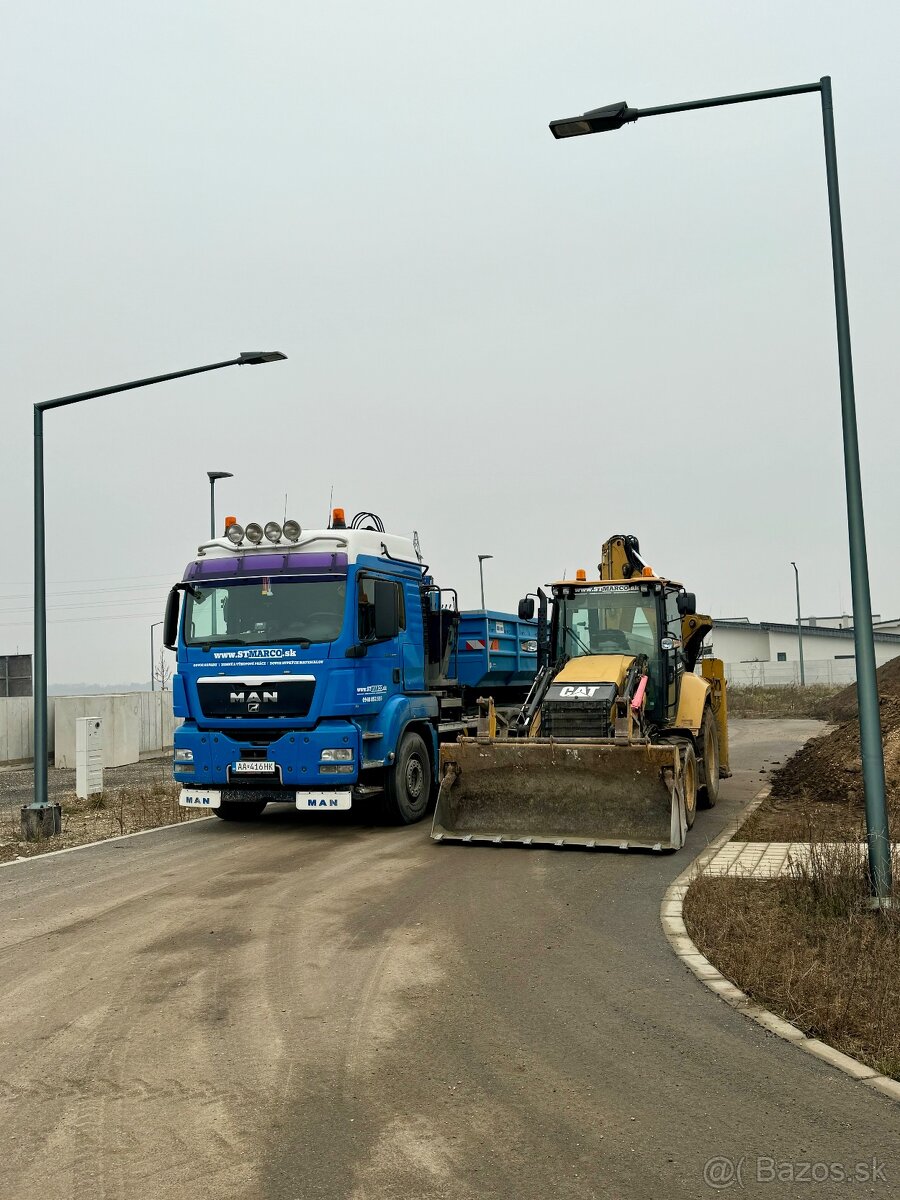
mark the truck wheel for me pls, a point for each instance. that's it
(689, 782)
(237, 810)
(407, 785)
(709, 738)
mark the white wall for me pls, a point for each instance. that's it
(732, 644)
(17, 728)
(121, 717)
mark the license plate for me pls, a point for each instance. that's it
(254, 766)
(323, 800)
(192, 798)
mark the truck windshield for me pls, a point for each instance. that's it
(608, 622)
(252, 611)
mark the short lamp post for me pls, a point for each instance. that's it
(799, 626)
(614, 116)
(482, 559)
(213, 476)
(41, 819)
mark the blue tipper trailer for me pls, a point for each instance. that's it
(496, 655)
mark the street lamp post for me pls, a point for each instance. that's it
(152, 661)
(213, 476)
(799, 626)
(40, 818)
(481, 561)
(614, 116)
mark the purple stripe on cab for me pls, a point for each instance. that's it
(252, 565)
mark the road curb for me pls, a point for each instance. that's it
(672, 919)
(119, 837)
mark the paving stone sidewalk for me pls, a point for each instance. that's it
(763, 860)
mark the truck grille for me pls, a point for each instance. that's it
(569, 719)
(259, 701)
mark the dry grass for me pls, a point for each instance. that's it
(789, 701)
(110, 813)
(807, 948)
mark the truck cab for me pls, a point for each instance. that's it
(314, 667)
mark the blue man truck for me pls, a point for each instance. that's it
(324, 667)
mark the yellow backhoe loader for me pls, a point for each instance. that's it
(619, 740)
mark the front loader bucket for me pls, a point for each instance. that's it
(549, 793)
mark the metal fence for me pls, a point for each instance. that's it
(835, 671)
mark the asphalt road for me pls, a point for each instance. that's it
(323, 1010)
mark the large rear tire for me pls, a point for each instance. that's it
(709, 743)
(238, 810)
(689, 775)
(407, 785)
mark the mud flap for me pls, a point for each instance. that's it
(537, 792)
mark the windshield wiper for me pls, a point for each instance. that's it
(586, 649)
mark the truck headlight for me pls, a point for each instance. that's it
(337, 755)
(254, 533)
(184, 756)
(336, 768)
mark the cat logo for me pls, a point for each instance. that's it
(253, 699)
(585, 692)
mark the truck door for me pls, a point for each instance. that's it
(380, 672)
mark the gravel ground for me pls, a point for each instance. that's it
(17, 785)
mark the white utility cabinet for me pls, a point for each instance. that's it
(88, 756)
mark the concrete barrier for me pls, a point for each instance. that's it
(121, 717)
(17, 728)
(155, 724)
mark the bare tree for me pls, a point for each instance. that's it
(163, 672)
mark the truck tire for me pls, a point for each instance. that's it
(407, 784)
(239, 810)
(709, 750)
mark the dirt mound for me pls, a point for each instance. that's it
(843, 706)
(829, 769)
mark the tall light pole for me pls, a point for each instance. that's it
(481, 561)
(40, 818)
(152, 662)
(614, 116)
(213, 476)
(799, 626)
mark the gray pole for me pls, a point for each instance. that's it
(799, 626)
(40, 620)
(212, 507)
(863, 633)
(41, 819)
(614, 116)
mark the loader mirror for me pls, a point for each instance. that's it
(170, 621)
(526, 609)
(687, 603)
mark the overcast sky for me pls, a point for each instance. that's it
(514, 345)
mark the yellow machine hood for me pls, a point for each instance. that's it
(595, 668)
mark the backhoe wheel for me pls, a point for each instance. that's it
(239, 810)
(689, 782)
(709, 740)
(407, 790)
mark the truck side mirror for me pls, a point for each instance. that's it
(387, 609)
(526, 609)
(687, 603)
(170, 621)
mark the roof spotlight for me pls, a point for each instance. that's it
(292, 530)
(235, 533)
(273, 531)
(254, 533)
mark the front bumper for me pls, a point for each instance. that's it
(291, 763)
